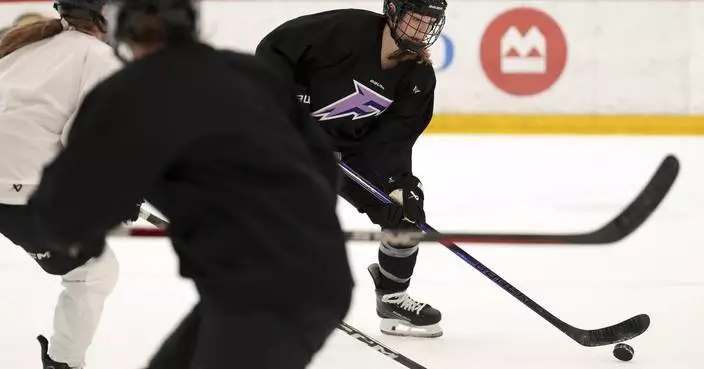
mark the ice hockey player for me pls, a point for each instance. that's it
(47, 67)
(368, 80)
(217, 142)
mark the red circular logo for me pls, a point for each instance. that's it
(523, 51)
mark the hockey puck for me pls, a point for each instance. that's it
(623, 352)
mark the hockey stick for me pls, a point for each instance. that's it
(617, 229)
(408, 363)
(646, 202)
(153, 219)
(351, 331)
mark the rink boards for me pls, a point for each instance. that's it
(576, 67)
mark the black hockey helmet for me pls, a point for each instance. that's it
(152, 20)
(421, 29)
(83, 9)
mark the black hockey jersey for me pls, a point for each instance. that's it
(335, 59)
(223, 149)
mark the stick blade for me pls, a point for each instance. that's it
(624, 331)
(640, 209)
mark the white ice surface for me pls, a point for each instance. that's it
(480, 183)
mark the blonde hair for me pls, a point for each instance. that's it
(29, 17)
(21, 36)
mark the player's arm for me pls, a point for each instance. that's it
(293, 48)
(392, 141)
(287, 48)
(389, 148)
(110, 161)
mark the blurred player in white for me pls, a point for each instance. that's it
(46, 69)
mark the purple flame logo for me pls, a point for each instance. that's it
(363, 103)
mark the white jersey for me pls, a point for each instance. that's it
(41, 87)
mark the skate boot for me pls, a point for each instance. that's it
(401, 315)
(46, 360)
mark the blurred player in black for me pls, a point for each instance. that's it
(218, 143)
(368, 80)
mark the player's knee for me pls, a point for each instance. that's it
(107, 271)
(405, 247)
(98, 275)
(398, 251)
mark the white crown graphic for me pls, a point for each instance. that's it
(523, 62)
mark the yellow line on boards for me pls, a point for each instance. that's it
(568, 124)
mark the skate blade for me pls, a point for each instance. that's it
(395, 327)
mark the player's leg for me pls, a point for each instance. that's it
(87, 283)
(177, 351)
(210, 338)
(263, 339)
(80, 307)
(400, 314)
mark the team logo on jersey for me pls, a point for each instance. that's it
(363, 103)
(305, 99)
(40, 255)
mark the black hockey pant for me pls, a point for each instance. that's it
(210, 338)
(16, 225)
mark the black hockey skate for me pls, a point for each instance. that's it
(46, 360)
(401, 315)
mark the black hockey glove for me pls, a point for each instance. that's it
(387, 216)
(408, 192)
(134, 215)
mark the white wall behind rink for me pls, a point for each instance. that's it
(623, 57)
